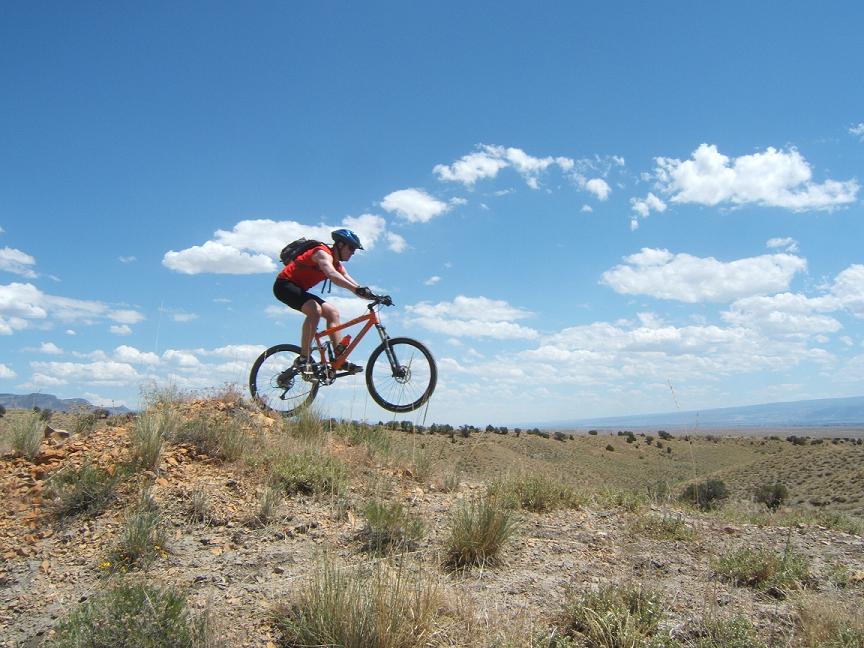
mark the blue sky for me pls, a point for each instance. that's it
(582, 210)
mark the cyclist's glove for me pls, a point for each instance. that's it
(364, 292)
(385, 299)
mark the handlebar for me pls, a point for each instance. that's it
(380, 300)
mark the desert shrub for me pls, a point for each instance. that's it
(706, 495)
(218, 436)
(268, 501)
(830, 623)
(85, 422)
(771, 494)
(309, 425)
(310, 473)
(614, 616)
(716, 632)
(389, 527)
(386, 608)
(537, 493)
(765, 570)
(592, 432)
(151, 428)
(2, 411)
(664, 527)
(479, 530)
(629, 500)
(27, 434)
(134, 614)
(87, 489)
(610, 447)
(142, 537)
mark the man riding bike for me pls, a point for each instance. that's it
(318, 264)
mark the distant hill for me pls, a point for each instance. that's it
(826, 412)
(48, 401)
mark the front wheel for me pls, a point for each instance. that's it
(275, 383)
(403, 379)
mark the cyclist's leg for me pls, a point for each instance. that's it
(312, 310)
(331, 316)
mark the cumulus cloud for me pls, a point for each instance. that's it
(858, 130)
(131, 355)
(683, 277)
(772, 178)
(848, 288)
(414, 205)
(252, 246)
(431, 281)
(599, 188)
(91, 373)
(787, 243)
(488, 160)
(784, 314)
(396, 243)
(50, 348)
(472, 317)
(21, 304)
(120, 329)
(17, 262)
(644, 206)
(6, 372)
(217, 258)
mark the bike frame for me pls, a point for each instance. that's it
(371, 319)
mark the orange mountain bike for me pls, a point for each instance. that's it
(400, 373)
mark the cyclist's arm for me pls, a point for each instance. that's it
(325, 265)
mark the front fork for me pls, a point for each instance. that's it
(396, 370)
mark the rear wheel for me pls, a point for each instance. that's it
(277, 385)
(409, 382)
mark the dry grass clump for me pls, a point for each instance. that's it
(134, 614)
(534, 492)
(389, 527)
(776, 574)
(830, 623)
(479, 530)
(379, 607)
(615, 616)
(142, 537)
(151, 428)
(665, 527)
(87, 489)
(310, 472)
(215, 434)
(27, 433)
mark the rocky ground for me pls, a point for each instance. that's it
(238, 568)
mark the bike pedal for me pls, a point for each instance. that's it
(352, 368)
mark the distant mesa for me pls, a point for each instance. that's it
(49, 401)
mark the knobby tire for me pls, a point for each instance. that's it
(415, 377)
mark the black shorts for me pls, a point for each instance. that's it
(293, 295)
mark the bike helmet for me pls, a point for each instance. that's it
(346, 236)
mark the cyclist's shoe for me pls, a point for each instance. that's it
(352, 368)
(304, 367)
(284, 380)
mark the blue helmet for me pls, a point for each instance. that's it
(346, 236)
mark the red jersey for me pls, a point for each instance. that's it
(304, 272)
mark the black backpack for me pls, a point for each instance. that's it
(295, 248)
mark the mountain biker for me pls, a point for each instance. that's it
(318, 264)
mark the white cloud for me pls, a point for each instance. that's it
(771, 178)
(131, 355)
(858, 130)
(50, 348)
(787, 243)
(396, 243)
(472, 317)
(599, 188)
(126, 316)
(17, 262)
(127, 259)
(181, 358)
(644, 206)
(587, 209)
(784, 314)
(184, 317)
(431, 281)
(217, 258)
(92, 373)
(848, 288)
(682, 277)
(254, 245)
(414, 205)
(488, 160)
(21, 304)
(6, 372)
(120, 329)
